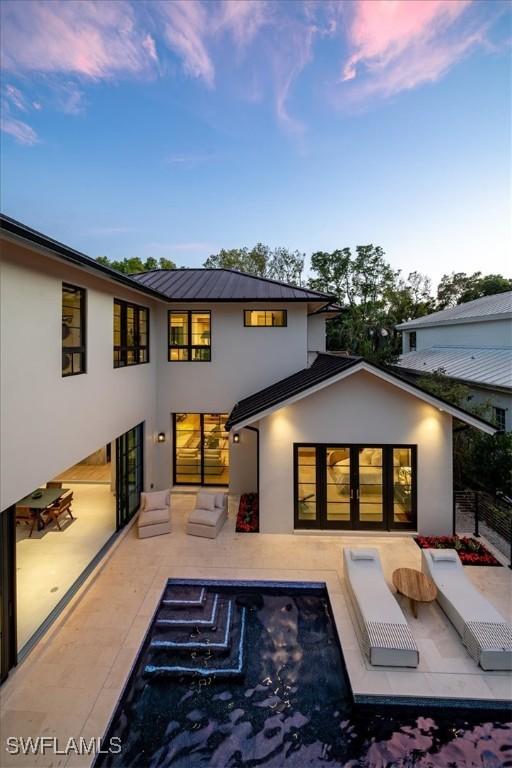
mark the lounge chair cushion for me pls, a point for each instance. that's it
(362, 554)
(156, 500)
(153, 517)
(220, 500)
(205, 501)
(205, 516)
(440, 555)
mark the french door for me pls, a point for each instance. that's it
(201, 449)
(355, 486)
(129, 473)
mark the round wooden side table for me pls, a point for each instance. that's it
(414, 585)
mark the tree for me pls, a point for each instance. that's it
(458, 287)
(278, 264)
(363, 283)
(134, 265)
(479, 460)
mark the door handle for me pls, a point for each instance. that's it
(357, 494)
(351, 493)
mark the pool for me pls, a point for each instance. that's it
(252, 674)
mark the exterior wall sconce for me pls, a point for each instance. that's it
(236, 437)
(160, 438)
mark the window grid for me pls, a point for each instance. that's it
(267, 318)
(499, 418)
(131, 334)
(189, 336)
(73, 330)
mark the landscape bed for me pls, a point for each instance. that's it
(470, 551)
(252, 674)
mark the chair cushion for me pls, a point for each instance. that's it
(220, 500)
(153, 516)
(205, 516)
(205, 500)
(362, 554)
(156, 500)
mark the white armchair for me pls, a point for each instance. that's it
(154, 514)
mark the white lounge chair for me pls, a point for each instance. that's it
(382, 627)
(484, 631)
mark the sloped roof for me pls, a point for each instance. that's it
(497, 306)
(327, 366)
(223, 285)
(481, 365)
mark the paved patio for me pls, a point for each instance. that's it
(70, 683)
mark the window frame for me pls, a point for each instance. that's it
(123, 348)
(251, 325)
(354, 524)
(412, 341)
(82, 349)
(500, 418)
(189, 347)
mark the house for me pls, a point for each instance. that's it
(113, 384)
(471, 343)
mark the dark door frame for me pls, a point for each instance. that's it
(8, 628)
(123, 511)
(201, 473)
(321, 522)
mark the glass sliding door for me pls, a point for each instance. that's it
(355, 486)
(129, 473)
(201, 449)
(8, 643)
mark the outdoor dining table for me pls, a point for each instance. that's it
(38, 505)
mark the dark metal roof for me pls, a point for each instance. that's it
(23, 233)
(324, 367)
(223, 285)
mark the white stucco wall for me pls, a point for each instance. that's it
(359, 409)
(317, 338)
(244, 360)
(243, 462)
(491, 333)
(50, 422)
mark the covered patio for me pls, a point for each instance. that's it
(70, 683)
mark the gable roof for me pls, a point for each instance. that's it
(480, 365)
(223, 285)
(326, 370)
(495, 307)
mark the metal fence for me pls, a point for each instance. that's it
(481, 513)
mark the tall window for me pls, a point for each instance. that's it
(265, 318)
(131, 334)
(412, 341)
(499, 418)
(73, 330)
(190, 336)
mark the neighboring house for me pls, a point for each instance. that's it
(471, 343)
(190, 377)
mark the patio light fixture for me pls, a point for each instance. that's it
(160, 438)
(236, 437)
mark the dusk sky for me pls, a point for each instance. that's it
(178, 128)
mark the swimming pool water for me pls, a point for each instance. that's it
(243, 675)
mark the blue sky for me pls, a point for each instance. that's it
(174, 129)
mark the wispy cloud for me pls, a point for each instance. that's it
(243, 19)
(21, 131)
(185, 28)
(397, 45)
(189, 159)
(86, 38)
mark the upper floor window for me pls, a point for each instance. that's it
(265, 318)
(131, 334)
(73, 330)
(499, 418)
(190, 335)
(412, 341)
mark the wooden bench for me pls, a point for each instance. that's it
(60, 507)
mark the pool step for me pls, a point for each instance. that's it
(207, 666)
(204, 616)
(205, 641)
(189, 597)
